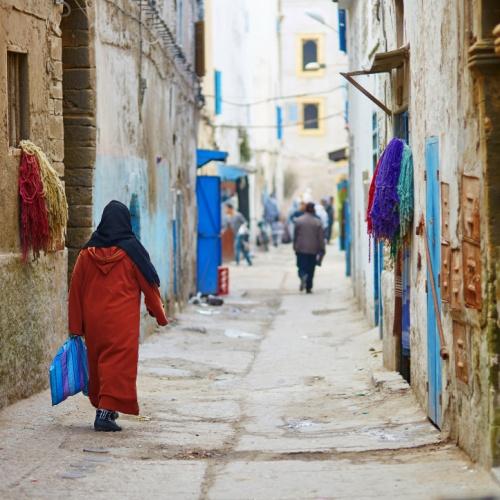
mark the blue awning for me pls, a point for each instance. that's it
(203, 156)
(231, 172)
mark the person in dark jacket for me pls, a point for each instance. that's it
(309, 246)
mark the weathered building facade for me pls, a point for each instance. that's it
(33, 299)
(107, 89)
(441, 91)
(130, 118)
(313, 95)
(240, 112)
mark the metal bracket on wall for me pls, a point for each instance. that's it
(350, 79)
(422, 231)
(383, 62)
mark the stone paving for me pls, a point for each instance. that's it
(275, 395)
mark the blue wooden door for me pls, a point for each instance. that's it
(378, 266)
(209, 254)
(433, 228)
(177, 242)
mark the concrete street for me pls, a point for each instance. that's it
(275, 395)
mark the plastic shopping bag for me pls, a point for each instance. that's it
(69, 373)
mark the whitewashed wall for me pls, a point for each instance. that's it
(441, 105)
(149, 148)
(307, 155)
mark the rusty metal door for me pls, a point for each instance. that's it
(433, 228)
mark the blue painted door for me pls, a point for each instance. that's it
(177, 242)
(209, 255)
(347, 232)
(378, 266)
(433, 228)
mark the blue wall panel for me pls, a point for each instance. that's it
(120, 178)
(209, 256)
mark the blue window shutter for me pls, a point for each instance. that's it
(279, 123)
(292, 112)
(342, 31)
(218, 92)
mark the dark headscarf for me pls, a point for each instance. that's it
(115, 230)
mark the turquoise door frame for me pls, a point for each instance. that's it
(378, 266)
(177, 242)
(433, 228)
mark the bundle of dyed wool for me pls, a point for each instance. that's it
(34, 219)
(371, 196)
(390, 202)
(55, 206)
(405, 192)
(384, 212)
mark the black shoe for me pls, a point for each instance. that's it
(104, 422)
(115, 415)
(309, 290)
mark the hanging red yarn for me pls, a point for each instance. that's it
(371, 198)
(34, 218)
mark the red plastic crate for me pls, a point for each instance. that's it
(222, 280)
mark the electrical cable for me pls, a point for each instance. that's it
(286, 125)
(278, 98)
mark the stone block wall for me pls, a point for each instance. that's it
(33, 299)
(79, 124)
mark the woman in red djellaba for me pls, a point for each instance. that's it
(111, 271)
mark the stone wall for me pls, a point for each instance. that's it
(146, 141)
(79, 104)
(460, 108)
(33, 298)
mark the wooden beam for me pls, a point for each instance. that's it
(372, 98)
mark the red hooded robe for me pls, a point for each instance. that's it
(104, 306)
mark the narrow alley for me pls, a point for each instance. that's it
(261, 238)
(274, 395)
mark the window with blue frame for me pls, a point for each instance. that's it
(279, 123)
(218, 91)
(342, 31)
(292, 112)
(311, 116)
(309, 52)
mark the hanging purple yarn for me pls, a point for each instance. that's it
(384, 213)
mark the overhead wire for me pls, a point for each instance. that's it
(278, 98)
(286, 125)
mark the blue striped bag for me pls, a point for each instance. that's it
(69, 372)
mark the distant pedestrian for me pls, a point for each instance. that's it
(298, 212)
(328, 205)
(238, 224)
(272, 218)
(276, 232)
(322, 215)
(271, 209)
(309, 246)
(111, 271)
(263, 236)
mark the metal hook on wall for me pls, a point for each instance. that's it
(66, 9)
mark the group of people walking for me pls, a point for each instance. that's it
(113, 269)
(311, 227)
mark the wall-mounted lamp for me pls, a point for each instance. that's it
(314, 66)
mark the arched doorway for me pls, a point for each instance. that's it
(79, 121)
